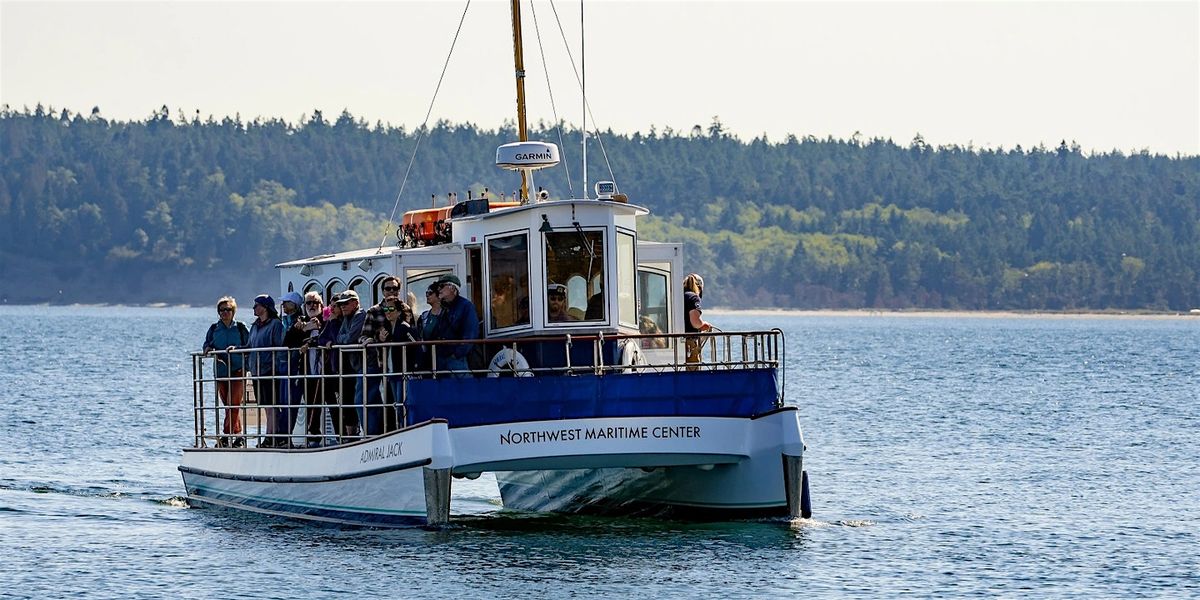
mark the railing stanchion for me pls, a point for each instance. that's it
(404, 386)
(598, 354)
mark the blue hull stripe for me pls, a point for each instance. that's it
(305, 479)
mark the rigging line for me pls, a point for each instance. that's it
(422, 129)
(558, 124)
(578, 81)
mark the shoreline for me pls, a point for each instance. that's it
(955, 314)
(792, 312)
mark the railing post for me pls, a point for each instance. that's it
(197, 401)
(404, 386)
(598, 354)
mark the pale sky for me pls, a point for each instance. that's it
(1109, 75)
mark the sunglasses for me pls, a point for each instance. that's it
(430, 293)
(225, 310)
(391, 288)
(388, 309)
(313, 303)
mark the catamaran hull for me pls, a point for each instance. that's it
(378, 482)
(689, 467)
(739, 472)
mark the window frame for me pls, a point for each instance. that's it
(329, 285)
(667, 306)
(486, 300)
(633, 264)
(604, 271)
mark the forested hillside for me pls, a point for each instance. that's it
(180, 209)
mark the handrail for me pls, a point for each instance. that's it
(388, 388)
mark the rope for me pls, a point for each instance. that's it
(553, 108)
(422, 129)
(579, 82)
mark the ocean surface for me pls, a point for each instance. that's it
(949, 456)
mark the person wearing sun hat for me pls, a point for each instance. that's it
(349, 331)
(222, 338)
(459, 322)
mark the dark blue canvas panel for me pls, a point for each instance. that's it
(482, 401)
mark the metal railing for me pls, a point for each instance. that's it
(250, 406)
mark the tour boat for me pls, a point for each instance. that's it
(593, 407)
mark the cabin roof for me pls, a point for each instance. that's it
(349, 255)
(618, 207)
(357, 255)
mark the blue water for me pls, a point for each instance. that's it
(949, 456)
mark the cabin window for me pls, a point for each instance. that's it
(334, 287)
(508, 281)
(654, 301)
(626, 302)
(313, 286)
(363, 288)
(575, 276)
(418, 280)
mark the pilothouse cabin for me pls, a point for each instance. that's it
(544, 268)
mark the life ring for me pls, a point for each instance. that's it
(509, 361)
(631, 356)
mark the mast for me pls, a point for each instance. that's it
(519, 60)
(583, 93)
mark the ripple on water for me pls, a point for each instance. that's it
(949, 457)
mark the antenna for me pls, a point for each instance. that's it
(583, 91)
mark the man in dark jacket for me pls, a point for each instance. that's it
(348, 331)
(459, 322)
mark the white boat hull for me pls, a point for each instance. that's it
(737, 472)
(709, 467)
(376, 482)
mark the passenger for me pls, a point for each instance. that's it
(693, 291)
(411, 301)
(338, 389)
(352, 367)
(401, 360)
(376, 329)
(556, 304)
(595, 306)
(647, 325)
(459, 322)
(266, 332)
(318, 390)
(427, 325)
(228, 335)
(291, 389)
(502, 308)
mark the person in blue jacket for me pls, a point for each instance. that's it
(267, 332)
(459, 321)
(291, 390)
(223, 337)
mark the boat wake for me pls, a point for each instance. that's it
(92, 492)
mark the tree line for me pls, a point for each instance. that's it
(794, 223)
